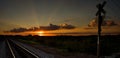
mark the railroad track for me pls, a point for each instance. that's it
(18, 51)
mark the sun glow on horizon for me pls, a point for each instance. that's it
(45, 33)
(41, 33)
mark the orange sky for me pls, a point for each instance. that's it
(36, 13)
(74, 32)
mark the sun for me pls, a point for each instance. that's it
(40, 33)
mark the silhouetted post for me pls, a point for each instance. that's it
(100, 20)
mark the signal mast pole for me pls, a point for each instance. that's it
(100, 20)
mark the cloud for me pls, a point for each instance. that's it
(110, 23)
(67, 26)
(46, 28)
(17, 30)
(94, 23)
(50, 27)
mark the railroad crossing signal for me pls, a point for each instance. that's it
(99, 13)
(100, 20)
(100, 8)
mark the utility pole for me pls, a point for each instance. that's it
(100, 20)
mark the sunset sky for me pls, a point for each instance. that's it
(35, 13)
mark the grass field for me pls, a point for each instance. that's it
(76, 44)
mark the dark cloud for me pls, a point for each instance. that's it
(33, 29)
(50, 27)
(46, 28)
(67, 26)
(94, 23)
(110, 23)
(17, 30)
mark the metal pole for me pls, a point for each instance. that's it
(100, 20)
(99, 34)
(98, 46)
